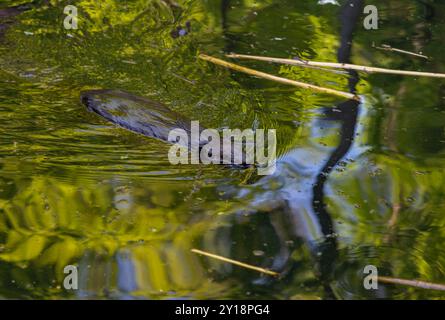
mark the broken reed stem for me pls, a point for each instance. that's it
(389, 48)
(337, 66)
(240, 264)
(412, 283)
(267, 76)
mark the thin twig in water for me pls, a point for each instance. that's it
(183, 78)
(240, 264)
(264, 75)
(337, 66)
(389, 48)
(412, 283)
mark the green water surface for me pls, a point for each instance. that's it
(76, 190)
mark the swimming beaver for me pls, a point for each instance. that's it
(138, 114)
(155, 120)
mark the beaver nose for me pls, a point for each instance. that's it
(86, 100)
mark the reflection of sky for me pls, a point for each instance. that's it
(298, 169)
(126, 281)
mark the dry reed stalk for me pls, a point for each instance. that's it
(268, 76)
(237, 263)
(337, 66)
(412, 283)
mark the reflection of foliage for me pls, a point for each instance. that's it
(394, 208)
(53, 224)
(104, 14)
(39, 211)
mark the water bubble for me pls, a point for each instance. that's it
(258, 253)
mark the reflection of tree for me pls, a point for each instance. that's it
(306, 218)
(346, 113)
